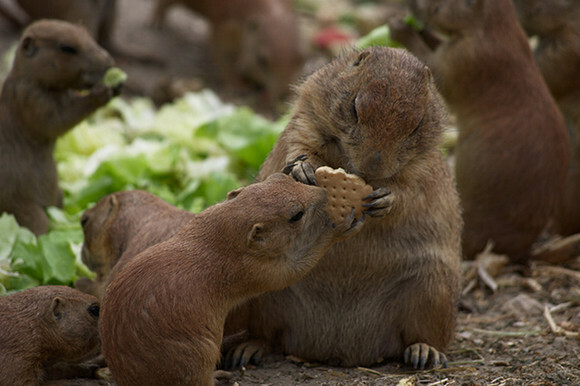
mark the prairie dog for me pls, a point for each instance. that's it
(177, 293)
(40, 101)
(512, 153)
(391, 290)
(44, 326)
(555, 23)
(121, 225)
(257, 42)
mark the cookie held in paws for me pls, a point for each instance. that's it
(345, 192)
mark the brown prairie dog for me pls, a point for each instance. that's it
(555, 23)
(392, 288)
(256, 41)
(177, 293)
(120, 226)
(512, 153)
(39, 102)
(45, 326)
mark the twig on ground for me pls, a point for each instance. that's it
(371, 371)
(558, 250)
(506, 333)
(552, 270)
(560, 307)
(557, 329)
(486, 277)
(470, 285)
(442, 382)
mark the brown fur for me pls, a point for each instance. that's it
(39, 103)
(120, 226)
(555, 23)
(45, 326)
(177, 293)
(257, 41)
(394, 285)
(512, 152)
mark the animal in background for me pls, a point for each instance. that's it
(54, 84)
(98, 16)
(43, 327)
(555, 23)
(177, 293)
(120, 226)
(390, 291)
(256, 42)
(512, 153)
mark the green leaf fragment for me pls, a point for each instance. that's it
(114, 77)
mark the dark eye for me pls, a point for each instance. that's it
(84, 220)
(354, 112)
(68, 49)
(94, 310)
(297, 216)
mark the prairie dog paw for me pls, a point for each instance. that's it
(380, 202)
(420, 354)
(301, 170)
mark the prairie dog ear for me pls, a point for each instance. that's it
(57, 307)
(256, 236)
(29, 47)
(234, 193)
(113, 203)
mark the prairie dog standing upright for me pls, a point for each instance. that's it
(555, 23)
(257, 41)
(391, 290)
(512, 154)
(40, 101)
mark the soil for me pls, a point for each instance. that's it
(503, 336)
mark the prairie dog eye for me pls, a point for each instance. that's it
(68, 49)
(297, 217)
(94, 310)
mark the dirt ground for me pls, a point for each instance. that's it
(504, 336)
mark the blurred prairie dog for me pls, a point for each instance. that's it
(512, 154)
(555, 23)
(257, 41)
(40, 101)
